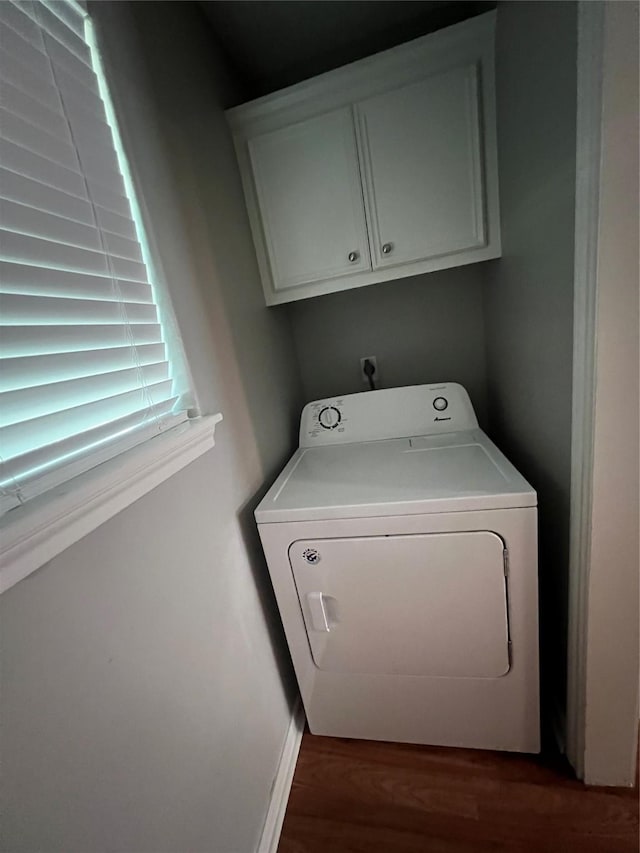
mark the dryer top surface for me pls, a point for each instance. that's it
(449, 472)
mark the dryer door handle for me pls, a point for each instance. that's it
(319, 619)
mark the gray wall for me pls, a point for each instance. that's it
(307, 37)
(529, 291)
(423, 329)
(146, 689)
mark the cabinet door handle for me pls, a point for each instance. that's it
(353, 256)
(387, 248)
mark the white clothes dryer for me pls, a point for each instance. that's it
(402, 547)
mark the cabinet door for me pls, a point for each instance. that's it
(307, 181)
(423, 163)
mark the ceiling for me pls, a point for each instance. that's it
(270, 44)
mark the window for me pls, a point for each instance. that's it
(89, 364)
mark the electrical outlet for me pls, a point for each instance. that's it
(374, 362)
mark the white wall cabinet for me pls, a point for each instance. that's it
(379, 170)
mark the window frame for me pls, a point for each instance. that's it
(79, 497)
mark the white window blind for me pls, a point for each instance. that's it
(84, 367)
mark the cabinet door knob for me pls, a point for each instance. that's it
(353, 256)
(387, 248)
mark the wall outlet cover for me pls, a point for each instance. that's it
(374, 362)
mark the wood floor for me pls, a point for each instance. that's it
(364, 797)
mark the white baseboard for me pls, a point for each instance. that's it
(282, 785)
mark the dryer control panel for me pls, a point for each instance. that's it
(388, 413)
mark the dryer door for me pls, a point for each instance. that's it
(429, 604)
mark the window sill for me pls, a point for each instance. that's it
(33, 534)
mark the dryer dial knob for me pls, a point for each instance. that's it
(440, 404)
(329, 417)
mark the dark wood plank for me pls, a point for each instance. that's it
(366, 797)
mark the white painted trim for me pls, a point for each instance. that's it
(282, 784)
(33, 534)
(588, 157)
